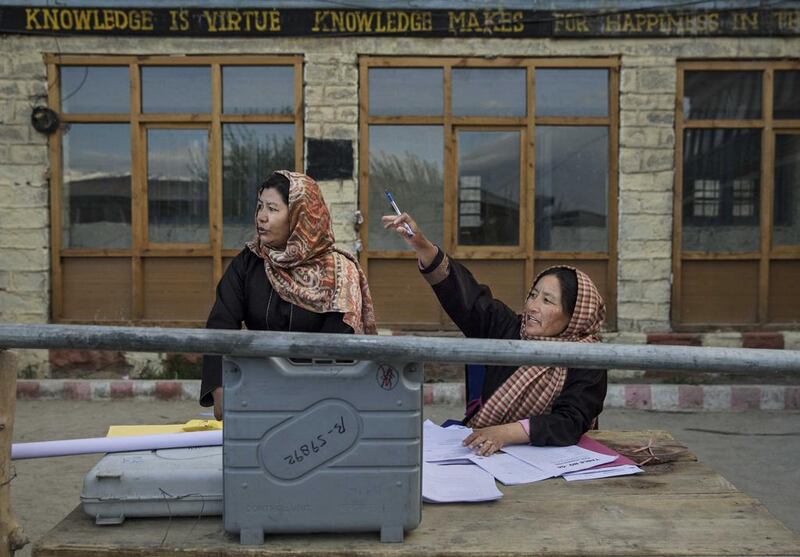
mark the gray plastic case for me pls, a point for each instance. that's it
(321, 446)
(164, 482)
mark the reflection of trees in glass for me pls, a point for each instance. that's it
(416, 184)
(197, 166)
(251, 153)
(404, 175)
(249, 159)
(177, 185)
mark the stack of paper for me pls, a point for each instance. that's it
(443, 444)
(457, 483)
(452, 472)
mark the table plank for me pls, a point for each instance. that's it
(673, 509)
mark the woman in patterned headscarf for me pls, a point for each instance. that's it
(540, 405)
(289, 277)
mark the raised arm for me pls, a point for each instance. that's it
(469, 304)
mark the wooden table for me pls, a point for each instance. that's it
(677, 508)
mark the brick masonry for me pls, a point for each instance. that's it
(662, 398)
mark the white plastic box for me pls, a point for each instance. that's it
(164, 482)
(321, 446)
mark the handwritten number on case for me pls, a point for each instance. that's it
(306, 449)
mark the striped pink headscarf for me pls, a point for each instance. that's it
(531, 390)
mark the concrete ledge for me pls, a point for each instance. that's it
(658, 397)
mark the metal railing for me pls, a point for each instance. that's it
(408, 348)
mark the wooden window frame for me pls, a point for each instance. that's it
(139, 123)
(524, 251)
(769, 127)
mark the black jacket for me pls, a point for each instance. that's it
(478, 314)
(245, 295)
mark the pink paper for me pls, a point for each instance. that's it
(67, 447)
(590, 444)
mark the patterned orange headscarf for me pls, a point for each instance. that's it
(531, 390)
(312, 272)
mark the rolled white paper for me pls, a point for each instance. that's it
(66, 447)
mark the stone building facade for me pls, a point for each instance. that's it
(648, 70)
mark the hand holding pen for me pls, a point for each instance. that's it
(398, 212)
(402, 223)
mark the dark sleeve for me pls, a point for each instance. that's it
(469, 304)
(227, 313)
(574, 410)
(334, 323)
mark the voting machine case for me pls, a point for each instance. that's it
(321, 446)
(163, 482)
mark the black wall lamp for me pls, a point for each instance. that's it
(44, 120)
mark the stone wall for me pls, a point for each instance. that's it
(24, 209)
(646, 139)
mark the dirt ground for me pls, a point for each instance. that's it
(757, 451)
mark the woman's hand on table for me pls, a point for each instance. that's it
(491, 439)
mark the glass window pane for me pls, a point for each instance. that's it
(409, 162)
(488, 188)
(721, 171)
(406, 91)
(571, 205)
(787, 94)
(722, 95)
(250, 153)
(94, 89)
(786, 227)
(177, 186)
(489, 92)
(568, 92)
(183, 89)
(96, 199)
(258, 89)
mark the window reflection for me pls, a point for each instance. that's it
(571, 206)
(181, 89)
(488, 188)
(571, 92)
(712, 95)
(787, 94)
(409, 162)
(489, 92)
(406, 91)
(250, 153)
(258, 89)
(96, 199)
(786, 231)
(95, 89)
(721, 189)
(177, 186)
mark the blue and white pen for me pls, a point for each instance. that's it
(398, 212)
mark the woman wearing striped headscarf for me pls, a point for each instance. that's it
(540, 405)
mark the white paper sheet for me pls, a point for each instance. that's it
(607, 472)
(457, 483)
(558, 460)
(509, 470)
(443, 444)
